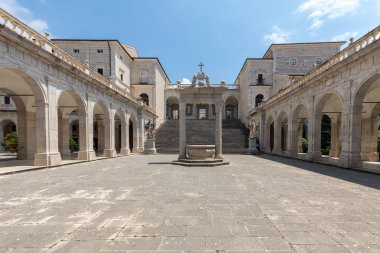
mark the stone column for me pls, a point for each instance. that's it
(86, 137)
(109, 137)
(293, 138)
(182, 131)
(47, 135)
(1, 136)
(65, 137)
(335, 138)
(218, 131)
(125, 135)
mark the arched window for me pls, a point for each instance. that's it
(259, 98)
(145, 98)
(292, 61)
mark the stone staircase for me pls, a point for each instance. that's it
(202, 132)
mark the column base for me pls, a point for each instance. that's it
(110, 153)
(370, 156)
(252, 150)
(125, 151)
(87, 155)
(316, 156)
(45, 159)
(150, 147)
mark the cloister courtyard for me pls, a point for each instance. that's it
(142, 203)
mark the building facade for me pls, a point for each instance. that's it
(100, 94)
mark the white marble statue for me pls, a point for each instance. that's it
(252, 129)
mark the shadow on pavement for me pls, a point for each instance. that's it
(355, 176)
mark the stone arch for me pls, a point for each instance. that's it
(331, 105)
(145, 98)
(231, 106)
(120, 132)
(300, 130)
(366, 109)
(281, 134)
(71, 123)
(172, 107)
(101, 131)
(269, 135)
(29, 97)
(258, 99)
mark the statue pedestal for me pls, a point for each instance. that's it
(150, 147)
(252, 149)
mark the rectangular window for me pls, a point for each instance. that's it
(260, 79)
(100, 51)
(143, 77)
(100, 71)
(76, 50)
(189, 109)
(7, 100)
(121, 77)
(202, 114)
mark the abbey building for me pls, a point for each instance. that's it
(312, 101)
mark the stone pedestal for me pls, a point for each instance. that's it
(252, 149)
(110, 153)
(150, 147)
(88, 155)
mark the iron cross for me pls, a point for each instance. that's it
(201, 65)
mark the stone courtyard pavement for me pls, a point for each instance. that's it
(144, 204)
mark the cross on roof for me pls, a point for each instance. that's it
(201, 66)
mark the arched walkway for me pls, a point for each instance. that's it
(328, 141)
(269, 135)
(71, 116)
(121, 133)
(299, 144)
(102, 133)
(281, 143)
(172, 108)
(31, 116)
(231, 108)
(133, 137)
(366, 118)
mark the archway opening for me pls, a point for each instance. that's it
(231, 108)
(8, 133)
(131, 136)
(101, 125)
(258, 99)
(366, 134)
(70, 108)
(145, 98)
(300, 140)
(117, 132)
(172, 108)
(26, 103)
(328, 125)
(271, 138)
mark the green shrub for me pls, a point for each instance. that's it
(10, 141)
(73, 145)
(304, 145)
(325, 151)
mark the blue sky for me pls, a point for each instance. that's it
(182, 33)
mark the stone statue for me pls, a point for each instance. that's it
(252, 129)
(150, 130)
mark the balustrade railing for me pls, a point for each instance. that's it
(342, 55)
(17, 26)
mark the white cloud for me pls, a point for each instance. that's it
(185, 81)
(277, 36)
(24, 14)
(345, 36)
(319, 10)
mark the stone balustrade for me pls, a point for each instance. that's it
(17, 26)
(351, 49)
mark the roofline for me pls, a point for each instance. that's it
(98, 40)
(159, 62)
(250, 59)
(304, 43)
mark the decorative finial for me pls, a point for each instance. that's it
(201, 66)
